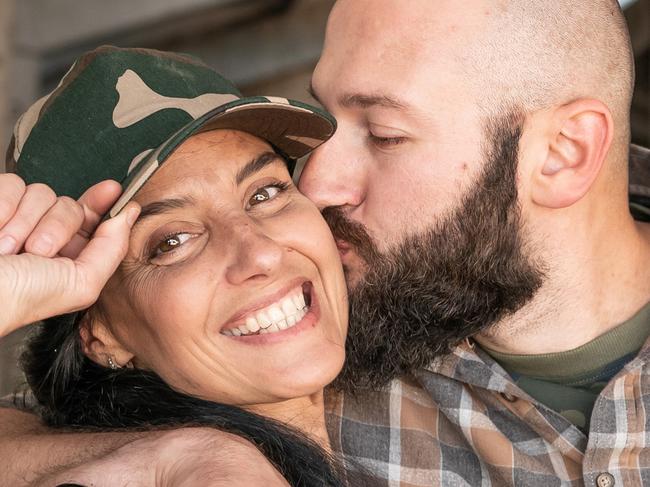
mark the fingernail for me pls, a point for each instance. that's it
(42, 246)
(132, 215)
(7, 245)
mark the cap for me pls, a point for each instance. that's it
(120, 113)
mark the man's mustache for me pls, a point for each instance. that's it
(353, 233)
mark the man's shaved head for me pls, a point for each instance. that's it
(536, 54)
(523, 53)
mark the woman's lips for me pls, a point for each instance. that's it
(308, 317)
(281, 314)
(290, 290)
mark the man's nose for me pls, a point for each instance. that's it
(333, 176)
(256, 255)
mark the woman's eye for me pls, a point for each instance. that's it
(266, 193)
(171, 243)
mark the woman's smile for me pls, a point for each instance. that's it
(272, 314)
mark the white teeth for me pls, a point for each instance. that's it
(263, 319)
(288, 307)
(279, 316)
(300, 314)
(252, 325)
(299, 300)
(275, 314)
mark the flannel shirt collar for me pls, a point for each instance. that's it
(469, 364)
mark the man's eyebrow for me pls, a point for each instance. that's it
(163, 206)
(256, 165)
(363, 100)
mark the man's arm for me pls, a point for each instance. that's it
(34, 456)
(28, 450)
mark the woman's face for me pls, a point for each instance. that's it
(232, 289)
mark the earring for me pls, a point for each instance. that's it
(111, 364)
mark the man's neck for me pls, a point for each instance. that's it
(591, 288)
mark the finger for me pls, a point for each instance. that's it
(12, 189)
(56, 228)
(100, 258)
(96, 202)
(36, 201)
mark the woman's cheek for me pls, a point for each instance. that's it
(183, 299)
(310, 232)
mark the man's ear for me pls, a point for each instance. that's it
(578, 141)
(99, 344)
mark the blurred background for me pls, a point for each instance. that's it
(264, 46)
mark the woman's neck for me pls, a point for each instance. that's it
(306, 414)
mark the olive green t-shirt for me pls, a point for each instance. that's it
(570, 382)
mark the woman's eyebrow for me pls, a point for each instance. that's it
(163, 206)
(257, 164)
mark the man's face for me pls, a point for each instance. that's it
(410, 134)
(419, 186)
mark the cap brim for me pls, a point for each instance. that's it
(292, 127)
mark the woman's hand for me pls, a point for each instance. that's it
(54, 259)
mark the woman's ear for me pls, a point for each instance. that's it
(100, 345)
(579, 139)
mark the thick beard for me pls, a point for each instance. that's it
(441, 286)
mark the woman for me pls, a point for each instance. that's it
(229, 309)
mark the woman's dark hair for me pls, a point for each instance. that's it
(75, 393)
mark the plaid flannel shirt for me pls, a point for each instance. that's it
(463, 421)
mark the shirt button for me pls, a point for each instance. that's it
(509, 398)
(605, 480)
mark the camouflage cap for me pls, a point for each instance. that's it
(120, 113)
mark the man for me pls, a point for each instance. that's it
(478, 185)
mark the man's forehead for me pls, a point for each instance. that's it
(413, 51)
(394, 37)
(410, 21)
(389, 32)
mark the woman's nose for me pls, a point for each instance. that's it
(256, 256)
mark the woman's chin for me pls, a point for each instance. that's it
(303, 378)
(291, 363)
